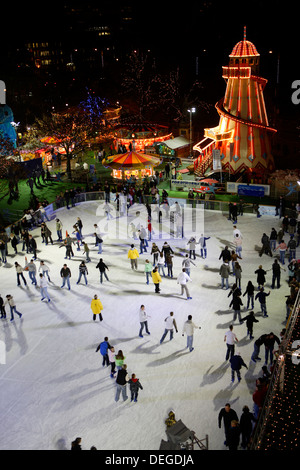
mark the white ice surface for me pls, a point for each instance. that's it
(53, 386)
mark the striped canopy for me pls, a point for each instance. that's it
(131, 160)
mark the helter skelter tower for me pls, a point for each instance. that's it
(243, 135)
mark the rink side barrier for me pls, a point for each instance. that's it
(221, 206)
(288, 352)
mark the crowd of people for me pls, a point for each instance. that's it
(157, 265)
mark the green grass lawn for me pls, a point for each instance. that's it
(11, 210)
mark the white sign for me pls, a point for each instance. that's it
(217, 165)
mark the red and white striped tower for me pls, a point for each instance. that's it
(243, 134)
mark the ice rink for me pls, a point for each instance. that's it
(53, 385)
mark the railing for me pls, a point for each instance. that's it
(276, 379)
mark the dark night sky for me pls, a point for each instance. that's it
(168, 24)
(176, 32)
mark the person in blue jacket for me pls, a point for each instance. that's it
(103, 347)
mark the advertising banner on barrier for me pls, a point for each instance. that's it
(232, 187)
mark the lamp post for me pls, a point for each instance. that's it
(191, 111)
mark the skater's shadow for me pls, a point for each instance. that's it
(207, 286)
(170, 358)
(223, 326)
(225, 242)
(143, 349)
(61, 444)
(27, 291)
(212, 376)
(213, 270)
(223, 312)
(224, 396)
(250, 378)
(7, 265)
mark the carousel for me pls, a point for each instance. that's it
(131, 164)
(139, 136)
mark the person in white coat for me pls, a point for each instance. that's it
(183, 279)
(188, 328)
(44, 269)
(143, 321)
(169, 327)
(13, 308)
(44, 287)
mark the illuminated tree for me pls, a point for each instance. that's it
(7, 162)
(74, 128)
(175, 96)
(137, 81)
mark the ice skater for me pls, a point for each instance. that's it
(188, 328)
(65, 274)
(83, 271)
(169, 328)
(103, 347)
(250, 319)
(192, 247)
(258, 343)
(186, 264)
(261, 296)
(45, 270)
(261, 279)
(13, 308)
(111, 360)
(135, 386)
(226, 414)
(182, 280)
(236, 304)
(230, 339)
(2, 308)
(44, 288)
(250, 294)
(203, 247)
(148, 269)
(20, 274)
(143, 321)
(97, 307)
(237, 363)
(31, 268)
(102, 268)
(133, 255)
(121, 383)
(59, 227)
(86, 251)
(224, 272)
(156, 279)
(32, 246)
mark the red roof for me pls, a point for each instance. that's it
(244, 49)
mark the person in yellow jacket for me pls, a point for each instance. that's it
(133, 255)
(156, 280)
(96, 307)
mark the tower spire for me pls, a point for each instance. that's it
(245, 33)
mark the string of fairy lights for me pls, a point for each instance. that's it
(280, 429)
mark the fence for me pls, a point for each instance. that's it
(277, 380)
